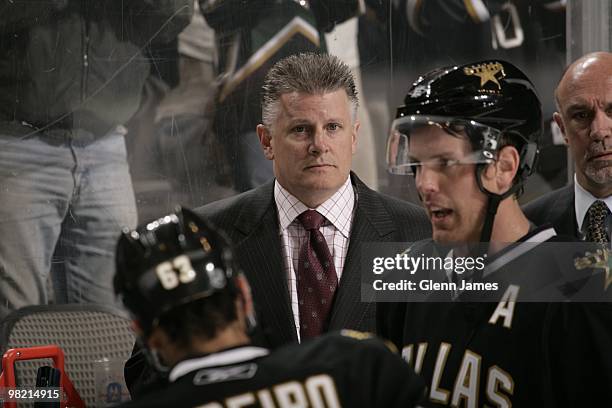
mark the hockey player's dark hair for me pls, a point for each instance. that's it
(201, 319)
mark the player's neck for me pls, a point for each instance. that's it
(510, 225)
(231, 336)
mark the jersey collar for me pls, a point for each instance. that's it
(232, 356)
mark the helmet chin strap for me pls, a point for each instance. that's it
(492, 205)
(493, 201)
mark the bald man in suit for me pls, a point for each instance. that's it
(584, 102)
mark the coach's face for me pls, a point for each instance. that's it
(311, 141)
(584, 99)
(447, 187)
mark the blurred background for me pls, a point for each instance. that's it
(193, 139)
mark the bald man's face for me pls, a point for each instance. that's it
(584, 96)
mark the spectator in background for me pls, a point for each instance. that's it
(72, 74)
(174, 154)
(374, 65)
(342, 42)
(432, 33)
(584, 103)
(191, 154)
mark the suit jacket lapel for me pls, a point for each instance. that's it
(372, 223)
(261, 256)
(563, 213)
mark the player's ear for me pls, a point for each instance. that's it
(157, 339)
(137, 328)
(507, 164)
(164, 351)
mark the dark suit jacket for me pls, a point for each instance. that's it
(557, 209)
(250, 219)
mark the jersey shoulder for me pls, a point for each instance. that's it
(333, 347)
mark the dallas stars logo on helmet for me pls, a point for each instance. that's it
(486, 72)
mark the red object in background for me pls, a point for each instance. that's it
(7, 377)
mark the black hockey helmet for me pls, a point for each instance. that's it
(170, 262)
(492, 102)
(491, 98)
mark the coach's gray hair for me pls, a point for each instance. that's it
(308, 73)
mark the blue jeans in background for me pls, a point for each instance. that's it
(64, 197)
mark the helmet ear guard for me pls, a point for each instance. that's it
(489, 143)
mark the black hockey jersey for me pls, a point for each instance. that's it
(509, 353)
(349, 369)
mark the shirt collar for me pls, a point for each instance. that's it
(583, 200)
(232, 356)
(337, 209)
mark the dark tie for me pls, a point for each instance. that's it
(316, 277)
(596, 231)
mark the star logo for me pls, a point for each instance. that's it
(420, 90)
(486, 72)
(599, 259)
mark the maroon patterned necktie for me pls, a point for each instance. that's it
(596, 230)
(316, 277)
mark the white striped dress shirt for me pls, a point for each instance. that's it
(338, 211)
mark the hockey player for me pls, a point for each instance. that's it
(469, 136)
(192, 309)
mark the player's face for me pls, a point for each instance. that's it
(312, 142)
(585, 104)
(449, 192)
